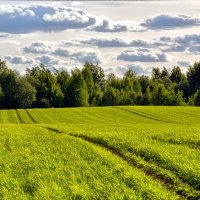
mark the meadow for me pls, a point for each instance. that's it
(121, 152)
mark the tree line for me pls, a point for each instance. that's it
(41, 88)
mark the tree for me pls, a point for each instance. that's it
(156, 74)
(98, 95)
(97, 73)
(197, 98)
(176, 75)
(49, 93)
(110, 96)
(8, 79)
(1, 97)
(193, 76)
(147, 97)
(77, 92)
(63, 79)
(88, 77)
(130, 74)
(160, 95)
(24, 94)
(180, 81)
(144, 83)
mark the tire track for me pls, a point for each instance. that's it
(19, 117)
(189, 144)
(155, 172)
(145, 115)
(31, 117)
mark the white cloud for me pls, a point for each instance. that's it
(26, 18)
(104, 24)
(5, 35)
(30, 18)
(76, 3)
(142, 55)
(11, 42)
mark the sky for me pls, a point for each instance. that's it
(117, 35)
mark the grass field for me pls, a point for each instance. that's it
(100, 153)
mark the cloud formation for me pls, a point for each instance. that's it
(62, 49)
(105, 24)
(183, 63)
(80, 55)
(15, 19)
(48, 60)
(142, 55)
(30, 18)
(16, 60)
(136, 67)
(187, 43)
(38, 47)
(115, 42)
(169, 21)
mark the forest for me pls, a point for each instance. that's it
(39, 87)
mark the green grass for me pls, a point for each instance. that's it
(100, 153)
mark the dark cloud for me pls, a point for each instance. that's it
(103, 42)
(18, 60)
(174, 48)
(167, 21)
(188, 40)
(61, 49)
(38, 47)
(82, 56)
(183, 63)
(115, 42)
(138, 68)
(48, 60)
(142, 55)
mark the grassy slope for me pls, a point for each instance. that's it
(123, 152)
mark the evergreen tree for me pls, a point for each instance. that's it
(63, 79)
(147, 97)
(77, 92)
(88, 77)
(197, 98)
(193, 75)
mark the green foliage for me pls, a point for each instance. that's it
(88, 77)
(49, 93)
(24, 94)
(110, 96)
(193, 75)
(77, 91)
(90, 87)
(197, 98)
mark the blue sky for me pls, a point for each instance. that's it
(117, 35)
